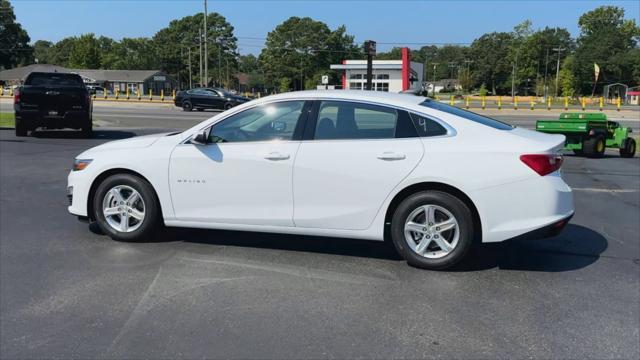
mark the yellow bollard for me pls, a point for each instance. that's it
(484, 102)
(451, 100)
(161, 94)
(1, 90)
(548, 102)
(105, 93)
(173, 95)
(139, 96)
(515, 103)
(467, 102)
(93, 96)
(11, 91)
(533, 104)
(601, 103)
(437, 98)
(117, 94)
(566, 103)
(150, 95)
(618, 103)
(499, 102)
(127, 93)
(258, 95)
(584, 103)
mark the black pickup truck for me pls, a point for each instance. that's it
(53, 101)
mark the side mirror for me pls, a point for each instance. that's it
(202, 138)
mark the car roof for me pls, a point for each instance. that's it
(357, 95)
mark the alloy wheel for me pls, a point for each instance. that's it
(431, 231)
(123, 208)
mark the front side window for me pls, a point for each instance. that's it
(347, 120)
(267, 122)
(466, 114)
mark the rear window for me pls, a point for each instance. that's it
(54, 80)
(466, 114)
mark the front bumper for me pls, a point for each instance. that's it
(77, 193)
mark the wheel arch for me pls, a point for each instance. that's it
(115, 171)
(438, 186)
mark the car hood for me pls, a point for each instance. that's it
(131, 143)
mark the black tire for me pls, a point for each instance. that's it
(228, 106)
(629, 148)
(444, 200)
(200, 109)
(152, 214)
(594, 146)
(87, 130)
(187, 106)
(21, 129)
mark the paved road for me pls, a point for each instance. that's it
(67, 291)
(172, 117)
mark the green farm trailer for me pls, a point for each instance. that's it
(590, 133)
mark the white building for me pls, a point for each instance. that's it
(388, 75)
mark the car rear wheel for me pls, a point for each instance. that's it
(432, 230)
(228, 106)
(629, 148)
(187, 106)
(594, 147)
(21, 129)
(126, 208)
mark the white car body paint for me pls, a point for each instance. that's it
(336, 188)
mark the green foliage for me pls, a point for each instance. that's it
(284, 84)
(14, 40)
(85, 53)
(567, 81)
(300, 47)
(483, 90)
(492, 64)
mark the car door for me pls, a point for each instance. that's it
(197, 98)
(358, 153)
(243, 175)
(212, 99)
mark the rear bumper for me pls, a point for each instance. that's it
(550, 230)
(529, 206)
(71, 119)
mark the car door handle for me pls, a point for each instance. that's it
(277, 156)
(389, 155)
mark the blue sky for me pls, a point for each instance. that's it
(391, 23)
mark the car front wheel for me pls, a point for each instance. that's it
(125, 207)
(432, 230)
(187, 106)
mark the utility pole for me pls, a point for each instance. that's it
(219, 60)
(513, 77)
(190, 77)
(206, 54)
(559, 49)
(452, 65)
(200, 45)
(370, 51)
(546, 65)
(435, 65)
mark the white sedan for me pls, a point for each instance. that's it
(432, 178)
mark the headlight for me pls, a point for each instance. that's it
(81, 164)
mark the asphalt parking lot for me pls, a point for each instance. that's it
(68, 291)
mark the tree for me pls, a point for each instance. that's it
(604, 37)
(85, 53)
(42, 52)
(14, 40)
(491, 55)
(248, 63)
(299, 48)
(567, 81)
(171, 46)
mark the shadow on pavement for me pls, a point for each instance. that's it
(71, 134)
(575, 248)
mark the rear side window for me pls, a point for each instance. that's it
(347, 120)
(466, 115)
(57, 79)
(427, 127)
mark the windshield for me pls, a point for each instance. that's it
(466, 114)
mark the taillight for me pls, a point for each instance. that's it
(543, 164)
(16, 97)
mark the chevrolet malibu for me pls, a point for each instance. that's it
(431, 178)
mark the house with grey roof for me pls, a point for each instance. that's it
(134, 80)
